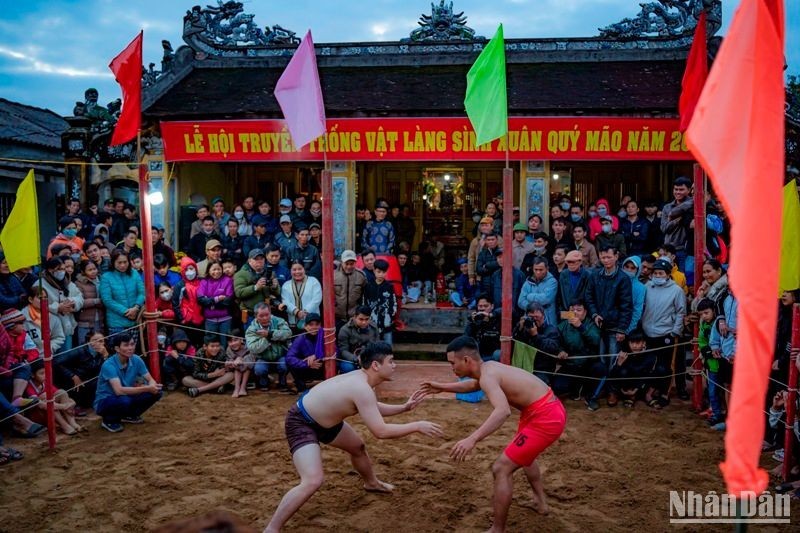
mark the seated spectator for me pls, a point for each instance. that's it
(80, 368)
(63, 405)
(209, 371)
(303, 359)
(644, 374)
(353, 336)
(301, 295)
(380, 297)
(580, 337)
(251, 285)
(534, 330)
(125, 388)
(178, 360)
(484, 327)
(12, 293)
(33, 324)
(15, 371)
(267, 338)
(541, 287)
(92, 316)
(240, 361)
(215, 296)
(466, 290)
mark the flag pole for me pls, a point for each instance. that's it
(788, 440)
(151, 346)
(328, 298)
(699, 257)
(508, 261)
(49, 389)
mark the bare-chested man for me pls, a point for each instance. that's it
(541, 422)
(318, 417)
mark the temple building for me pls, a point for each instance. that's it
(593, 117)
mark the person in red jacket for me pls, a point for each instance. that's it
(16, 369)
(164, 302)
(188, 310)
(595, 224)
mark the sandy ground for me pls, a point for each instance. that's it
(611, 471)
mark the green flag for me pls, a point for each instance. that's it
(486, 101)
(20, 235)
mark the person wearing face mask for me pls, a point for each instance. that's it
(664, 309)
(122, 292)
(603, 210)
(631, 266)
(565, 203)
(576, 214)
(164, 302)
(315, 213)
(188, 310)
(68, 236)
(64, 298)
(197, 244)
(608, 236)
(245, 225)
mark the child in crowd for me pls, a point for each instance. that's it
(402, 262)
(706, 311)
(209, 373)
(240, 360)
(465, 293)
(21, 352)
(164, 302)
(637, 366)
(63, 405)
(178, 360)
(379, 296)
(723, 349)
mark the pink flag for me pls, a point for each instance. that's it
(737, 134)
(300, 96)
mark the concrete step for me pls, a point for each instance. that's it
(419, 351)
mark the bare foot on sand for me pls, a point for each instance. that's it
(380, 486)
(235, 394)
(243, 392)
(540, 506)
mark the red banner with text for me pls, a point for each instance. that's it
(429, 139)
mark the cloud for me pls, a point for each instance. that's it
(29, 63)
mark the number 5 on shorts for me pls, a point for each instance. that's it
(520, 439)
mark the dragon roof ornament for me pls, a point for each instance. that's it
(666, 18)
(227, 25)
(442, 25)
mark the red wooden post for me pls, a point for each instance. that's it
(699, 257)
(788, 440)
(149, 274)
(508, 265)
(49, 389)
(328, 298)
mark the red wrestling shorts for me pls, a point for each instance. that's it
(540, 425)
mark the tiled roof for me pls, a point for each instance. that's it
(21, 123)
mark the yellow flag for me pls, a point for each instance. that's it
(790, 239)
(20, 235)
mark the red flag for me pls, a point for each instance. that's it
(695, 75)
(737, 134)
(127, 69)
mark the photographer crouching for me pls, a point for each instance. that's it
(533, 330)
(484, 327)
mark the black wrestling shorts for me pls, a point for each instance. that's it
(302, 429)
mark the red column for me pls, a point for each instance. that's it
(699, 257)
(149, 274)
(508, 265)
(49, 389)
(328, 299)
(788, 440)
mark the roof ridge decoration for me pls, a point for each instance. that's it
(442, 25)
(666, 18)
(227, 25)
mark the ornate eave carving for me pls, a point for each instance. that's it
(666, 18)
(442, 25)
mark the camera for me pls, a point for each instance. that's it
(529, 323)
(479, 316)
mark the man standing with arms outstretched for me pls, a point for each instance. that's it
(318, 418)
(542, 420)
